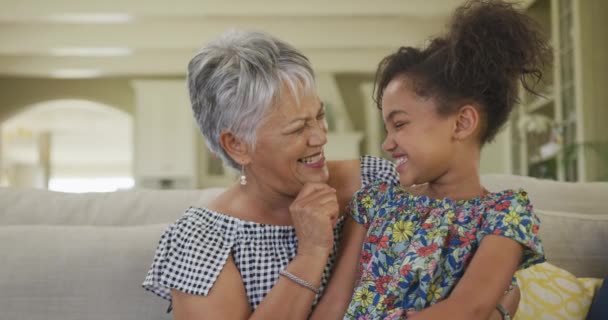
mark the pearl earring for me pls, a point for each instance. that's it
(243, 178)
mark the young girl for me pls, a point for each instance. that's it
(439, 243)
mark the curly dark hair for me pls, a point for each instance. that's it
(489, 47)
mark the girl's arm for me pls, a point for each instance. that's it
(338, 294)
(510, 301)
(339, 291)
(483, 284)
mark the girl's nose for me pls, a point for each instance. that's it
(388, 144)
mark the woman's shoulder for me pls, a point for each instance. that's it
(199, 226)
(199, 242)
(375, 169)
(234, 229)
(203, 218)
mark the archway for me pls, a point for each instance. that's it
(68, 145)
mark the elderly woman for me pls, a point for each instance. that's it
(265, 247)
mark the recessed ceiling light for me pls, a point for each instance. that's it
(76, 73)
(93, 18)
(91, 52)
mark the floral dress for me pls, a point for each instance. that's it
(417, 248)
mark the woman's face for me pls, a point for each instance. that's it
(289, 146)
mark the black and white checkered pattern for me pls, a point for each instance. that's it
(374, 169)
(193, 250)
(191, 253)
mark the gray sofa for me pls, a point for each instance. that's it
(84, 256)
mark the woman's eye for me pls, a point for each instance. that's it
(321, 116)
(299, 130)
(400, 124)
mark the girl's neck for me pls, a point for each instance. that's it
(464, 190)
(459, 183)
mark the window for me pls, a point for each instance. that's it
(81, 185)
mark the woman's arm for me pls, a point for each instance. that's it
(312, 214)
(339, 291)
(228, 300)
(483, 284)
(510, 301)
(345, 177)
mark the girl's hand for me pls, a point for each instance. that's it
(410, 313)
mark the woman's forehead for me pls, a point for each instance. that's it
(290, 106)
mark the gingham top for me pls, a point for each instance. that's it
(193, 250)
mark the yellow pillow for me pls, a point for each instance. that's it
(548, 292)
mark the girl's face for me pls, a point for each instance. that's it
(419, 139)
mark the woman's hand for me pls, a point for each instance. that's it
(314, 213)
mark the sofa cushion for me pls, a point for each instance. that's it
(575, 241)
(549, 292)
(78, 272)
(137, 207)
(584, 197)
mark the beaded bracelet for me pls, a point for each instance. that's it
(510, 288)
(503, 312)
(300, 281)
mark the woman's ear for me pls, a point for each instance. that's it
(235, 147)
(467, 122)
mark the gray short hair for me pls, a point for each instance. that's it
(234, 80)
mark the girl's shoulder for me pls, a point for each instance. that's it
(507, 200)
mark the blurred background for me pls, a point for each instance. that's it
(93, 97)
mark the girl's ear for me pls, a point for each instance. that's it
(235, 147)
(467, 122)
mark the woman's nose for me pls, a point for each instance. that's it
(318, 136)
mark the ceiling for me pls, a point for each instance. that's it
(92, 38)
(137, 38)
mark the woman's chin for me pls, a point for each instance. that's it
(320, 175)
(320, 178)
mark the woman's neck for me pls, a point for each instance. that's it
(254, 203)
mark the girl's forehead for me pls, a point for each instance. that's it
(407, 103)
